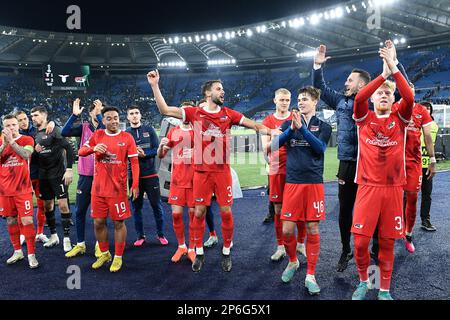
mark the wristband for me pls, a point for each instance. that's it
(432, 159)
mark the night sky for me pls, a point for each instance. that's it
(150, 16)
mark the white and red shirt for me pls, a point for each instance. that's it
(181, 141)
(382, 139)
(111, 168)
(212, 136)
(15, 170)
(277, 159)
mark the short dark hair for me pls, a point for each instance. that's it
(132, 107)
(363, 74)
(8, 116)
(40, 109)
(428, 105)
(313, 92)
(208, 85)
(17, 113)
(109, 109)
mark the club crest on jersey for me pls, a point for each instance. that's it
(314, 128)
(358, 226)
(146, 134)
(391, 125)
(121, 144)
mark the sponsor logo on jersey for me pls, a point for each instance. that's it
(391, 125)
(146, 134)
(358, 226)
(174, 198)
(381, 141)
(213, 131)
(314, 128)
(121, 144)
(199, 199)
(287, 214)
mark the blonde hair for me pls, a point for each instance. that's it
(389, 84)
(282, 91)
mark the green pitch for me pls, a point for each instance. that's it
(250, 168)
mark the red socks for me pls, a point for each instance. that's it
(104, 246)
(40, 216)
(301, 231)
(178, 227)
(227, 228)
(362, 255)
(198, 226)
(119, 248)
(290, 246)
(386, 262)
(312, 252)
(411, 210)
(30, 237)
(191, 230)
(278, 229)
(14, 235)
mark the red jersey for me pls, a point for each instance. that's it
(420, 118)
(110, 172)
(277, 159)
(182, 142)
(381, 139)
(212, 136)
(15, 170)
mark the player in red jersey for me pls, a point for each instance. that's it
(181, 140)
(277, 172)
(16, 192)
(113, 148)
(211, 124)
(380, 172)
(420, 121)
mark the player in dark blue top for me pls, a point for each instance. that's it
(147, 143)
(306, 139)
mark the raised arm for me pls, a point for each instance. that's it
(406, 104)
(68, 130)
(258, 127)
(164, 109)
(328, 95)
(361, 105)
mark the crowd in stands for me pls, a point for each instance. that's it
(250, 92)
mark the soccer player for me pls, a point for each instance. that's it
(147, 145)
(211, 124)
(306, 139)
(420, 121)
(85, 169)
(277, 172)
(380, 172)
(427, 182)
(113, 148)
(55, 175)
(16, 193)
(26, 128)
(181, 140)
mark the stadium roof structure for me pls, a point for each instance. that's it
(354, 27)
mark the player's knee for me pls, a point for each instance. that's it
(27, 221)
(48, 205)
(312, 227)
(225, 209)
(11, 221)
(99, 224)
(200, 211)
(119, 225)
(63, 206)
(288, 230)
(277, 207)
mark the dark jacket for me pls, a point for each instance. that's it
(146, 138)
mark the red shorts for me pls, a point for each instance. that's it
(20, 205)
(181, 197)
(303, 202)
(206, 183)
(413, 176)
(276, 187)
(117, 208)
(382, 206)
